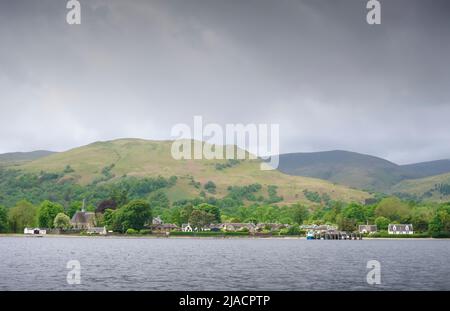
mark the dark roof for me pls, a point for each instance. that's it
(235, 224)
(83, 217)
(400, 227)
(164, 226)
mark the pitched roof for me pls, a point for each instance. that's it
(400, 227)
(164, 226)
(83, 217)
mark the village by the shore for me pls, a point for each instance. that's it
(83, 224)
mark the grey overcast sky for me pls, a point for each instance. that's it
(135, 68)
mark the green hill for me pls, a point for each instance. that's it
(433, 188)
(358, 170)
(348, 168)
(426, 169)
(106, 162)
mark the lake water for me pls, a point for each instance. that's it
(222, 264)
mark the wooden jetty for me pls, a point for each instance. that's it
(337, 236)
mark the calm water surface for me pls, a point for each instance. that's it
(222, 264)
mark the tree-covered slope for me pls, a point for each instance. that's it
(112, 161)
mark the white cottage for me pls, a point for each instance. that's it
(186, 228)
(400, 229)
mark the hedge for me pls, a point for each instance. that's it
(208, 233)
(387, 235)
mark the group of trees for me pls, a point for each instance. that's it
(119, 213)
(134, 215)
(36, 188)
(425, 217)
(28, 200)
(24, 214)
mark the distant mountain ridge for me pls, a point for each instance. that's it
(20, 157)
(427, 169)
(357, 170)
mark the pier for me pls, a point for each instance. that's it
(337, 236)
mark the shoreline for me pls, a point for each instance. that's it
(58, 236)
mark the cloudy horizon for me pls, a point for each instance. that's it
(137, 68)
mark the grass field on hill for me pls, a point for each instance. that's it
(111, 160)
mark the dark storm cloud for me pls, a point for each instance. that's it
(135, 68)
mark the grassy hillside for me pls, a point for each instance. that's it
(109, 161)
(434, 188)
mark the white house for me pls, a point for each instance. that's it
(186, 228)
(157, 221)
(400, 229)
(34, 231)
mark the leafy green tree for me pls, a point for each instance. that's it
(300, 213)
(345, 223)
(201, 218)
(134, 215)
(62, 221)
(210, 187)
(109, 219)
(3, 219)
(174, 216)
(312, 196)
(293, 230)
(394, 209)
(120, 195)
(74, 207)
(159, 202)
(47, 212)
(68, 169)
(22, 215)
(441, 220)
(382, 223)
(355, 212)
(420, 218)
(435, 225)
(185, 213)
(210, 209)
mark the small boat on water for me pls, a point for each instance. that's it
(310, 235)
